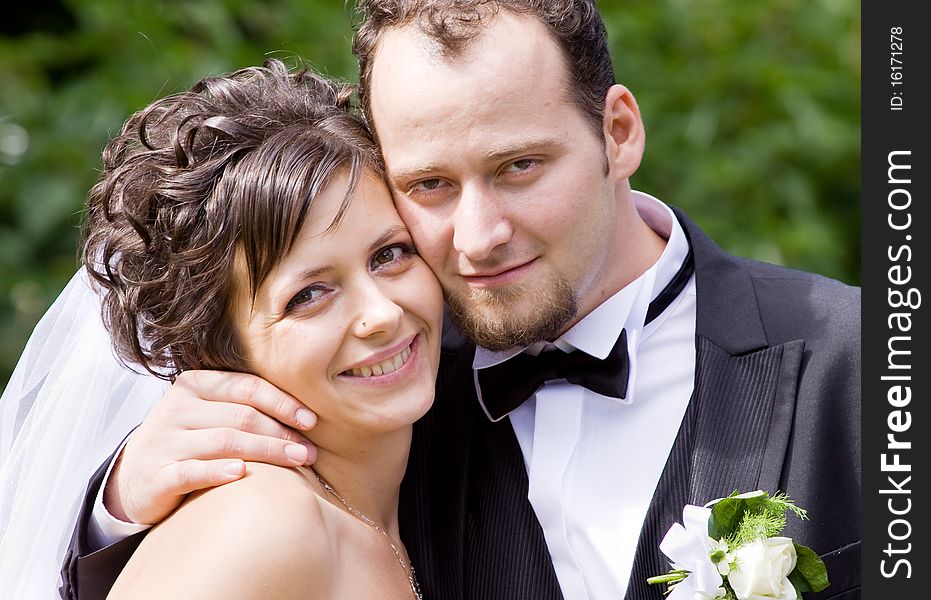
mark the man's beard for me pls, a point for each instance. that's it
(514, 316)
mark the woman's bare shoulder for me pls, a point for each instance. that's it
(267, 503)
(262, 536)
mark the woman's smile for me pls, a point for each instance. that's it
(401, 368)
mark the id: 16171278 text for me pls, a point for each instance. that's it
(896, 100)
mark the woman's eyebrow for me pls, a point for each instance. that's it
(387, 235)
(282, 287)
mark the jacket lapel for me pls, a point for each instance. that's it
(736, 429)
(465, 517)
(432, 508)
(745, 387)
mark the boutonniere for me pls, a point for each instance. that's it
(731, 549)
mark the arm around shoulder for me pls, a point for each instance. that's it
(260, 537)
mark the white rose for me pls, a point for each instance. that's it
(719, 593)
(762, 570)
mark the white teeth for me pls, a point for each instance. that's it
(384, 367)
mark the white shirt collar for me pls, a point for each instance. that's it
(597, 332)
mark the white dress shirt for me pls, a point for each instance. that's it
(593, 462)
(103, 528)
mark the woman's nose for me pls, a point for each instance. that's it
(377, 313)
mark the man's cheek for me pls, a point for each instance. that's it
(432, 234)
(437, 258)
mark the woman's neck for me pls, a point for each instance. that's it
(366, 472)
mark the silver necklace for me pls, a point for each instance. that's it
(408, 569)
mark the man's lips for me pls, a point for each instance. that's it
(499, 277)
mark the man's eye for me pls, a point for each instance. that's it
(305, 297)
(520, 165)
(427, 185)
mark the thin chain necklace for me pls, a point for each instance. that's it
(408, 570)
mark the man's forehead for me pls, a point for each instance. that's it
(458, 45)
(412, 78)
(407, 54)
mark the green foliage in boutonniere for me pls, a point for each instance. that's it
(732, 549)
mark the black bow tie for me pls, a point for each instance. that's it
(507, 385)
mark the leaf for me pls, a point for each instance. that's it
(811, 568)
(799, 582)
(727, 513)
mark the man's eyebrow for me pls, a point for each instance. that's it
(519, 147)
(493, 154)
(411, 173)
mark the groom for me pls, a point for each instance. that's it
(508, 149)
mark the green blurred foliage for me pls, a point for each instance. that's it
(752, 113)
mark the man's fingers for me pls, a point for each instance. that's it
(209, 444)
(242, 388)
(211, 415)
(189, 476)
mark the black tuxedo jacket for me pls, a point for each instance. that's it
(775, 406)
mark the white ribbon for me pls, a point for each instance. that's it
(689, 548)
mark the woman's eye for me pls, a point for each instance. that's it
(386, 256)
(304, 297)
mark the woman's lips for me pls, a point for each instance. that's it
(389, 365)
(407, 356)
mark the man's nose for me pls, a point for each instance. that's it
(480, 223)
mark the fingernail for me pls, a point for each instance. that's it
(305, 418)
(296, 453)
(233, 468)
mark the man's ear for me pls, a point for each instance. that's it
(623, 131)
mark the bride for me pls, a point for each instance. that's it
(245, 226)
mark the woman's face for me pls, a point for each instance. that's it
(349, 322)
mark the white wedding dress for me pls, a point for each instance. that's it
(66, 408)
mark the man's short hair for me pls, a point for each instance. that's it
(575, 25)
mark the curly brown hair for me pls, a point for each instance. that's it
(575, 25)
(230, 166)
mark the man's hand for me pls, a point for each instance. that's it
(198, 436)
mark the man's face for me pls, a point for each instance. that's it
(500, 179)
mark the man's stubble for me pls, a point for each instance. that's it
(515, 316)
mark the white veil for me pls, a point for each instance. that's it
(64, 411)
